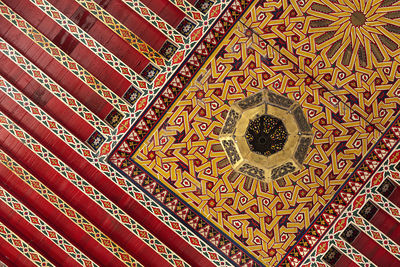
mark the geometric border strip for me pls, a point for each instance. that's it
(343, 196)
(181, 227)
(204, 24)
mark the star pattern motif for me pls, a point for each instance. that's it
(354, 32)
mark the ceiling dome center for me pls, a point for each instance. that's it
(266, 136)
(357, 18)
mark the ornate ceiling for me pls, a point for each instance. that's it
(111, 117)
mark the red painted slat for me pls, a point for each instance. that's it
(345, 261)
(395, 196)
(70, 45)
(387, 224)
(49, 213)
(166, 10)
(103, 184)
(120, 48)
(373, 251)
(31, 235)
(55, 70)
(133, 21)
(11, 256)
(66, 190)
(44, 99)
(101, 33)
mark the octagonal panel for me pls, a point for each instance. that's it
(266, 136)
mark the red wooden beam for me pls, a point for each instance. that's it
(101, 33)
(11, 256)
(166, 10)
(334, 257)
(134, 22)
(32, 236)
(44, 99)
(99, 181)
(66, 190)
(382, 220)
(70, 45)
(369, 248)
(41, 207)
(54, 69)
